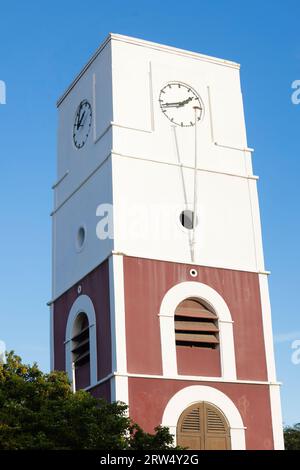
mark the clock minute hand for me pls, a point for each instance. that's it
(172, 105)
(177, 104)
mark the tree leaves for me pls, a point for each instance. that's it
(40, 411)
(292, 437)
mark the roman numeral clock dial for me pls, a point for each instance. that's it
(181, 104)
(82, 124)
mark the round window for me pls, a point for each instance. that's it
(80, 240)
(187, 219)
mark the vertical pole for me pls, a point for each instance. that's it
(195, 187)
(73, 378)
(183, 183)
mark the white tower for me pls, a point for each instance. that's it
(160, 294)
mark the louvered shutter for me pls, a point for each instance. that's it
(196, 325)
(202, 426)
(189, 429)
(215, 423)
(216, 429)
(191, 422)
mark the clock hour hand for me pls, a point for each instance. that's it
(186, 101)
(78, 117)
(79, 121)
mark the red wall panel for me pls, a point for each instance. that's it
(198, 361)
(102, 391)
(82, 376)
(149, 397)
(146, 283)
(142, 300)
(96, 286)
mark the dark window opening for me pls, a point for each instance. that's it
(81, 341)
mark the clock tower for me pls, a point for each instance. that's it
(160, 293)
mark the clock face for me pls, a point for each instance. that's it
(181, 104)
(82, 124)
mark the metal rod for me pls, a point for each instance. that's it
(183, 184)
(195, 187)
(73, 378)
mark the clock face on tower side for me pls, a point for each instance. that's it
(180, 104)
(82, 124)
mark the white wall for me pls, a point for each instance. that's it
(139, 73)
(95, 85)
(84, 178)
(69, 263)
(148, 198)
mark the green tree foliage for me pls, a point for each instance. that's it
(39, 411)
(140, 440)
(292, 437)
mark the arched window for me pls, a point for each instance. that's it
(180, 359)
(196, 325)
(189, 397)
(202, 426)
(81, 343)
(81, 351)
(81, 340)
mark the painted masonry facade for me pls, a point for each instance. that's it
(130, 283)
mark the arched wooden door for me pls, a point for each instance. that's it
(202, 426)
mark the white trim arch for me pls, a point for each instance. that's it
(198, 393)
(82, 304)
(171, 300)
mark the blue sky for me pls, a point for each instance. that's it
(44, 44)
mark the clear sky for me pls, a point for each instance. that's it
(43, 44)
